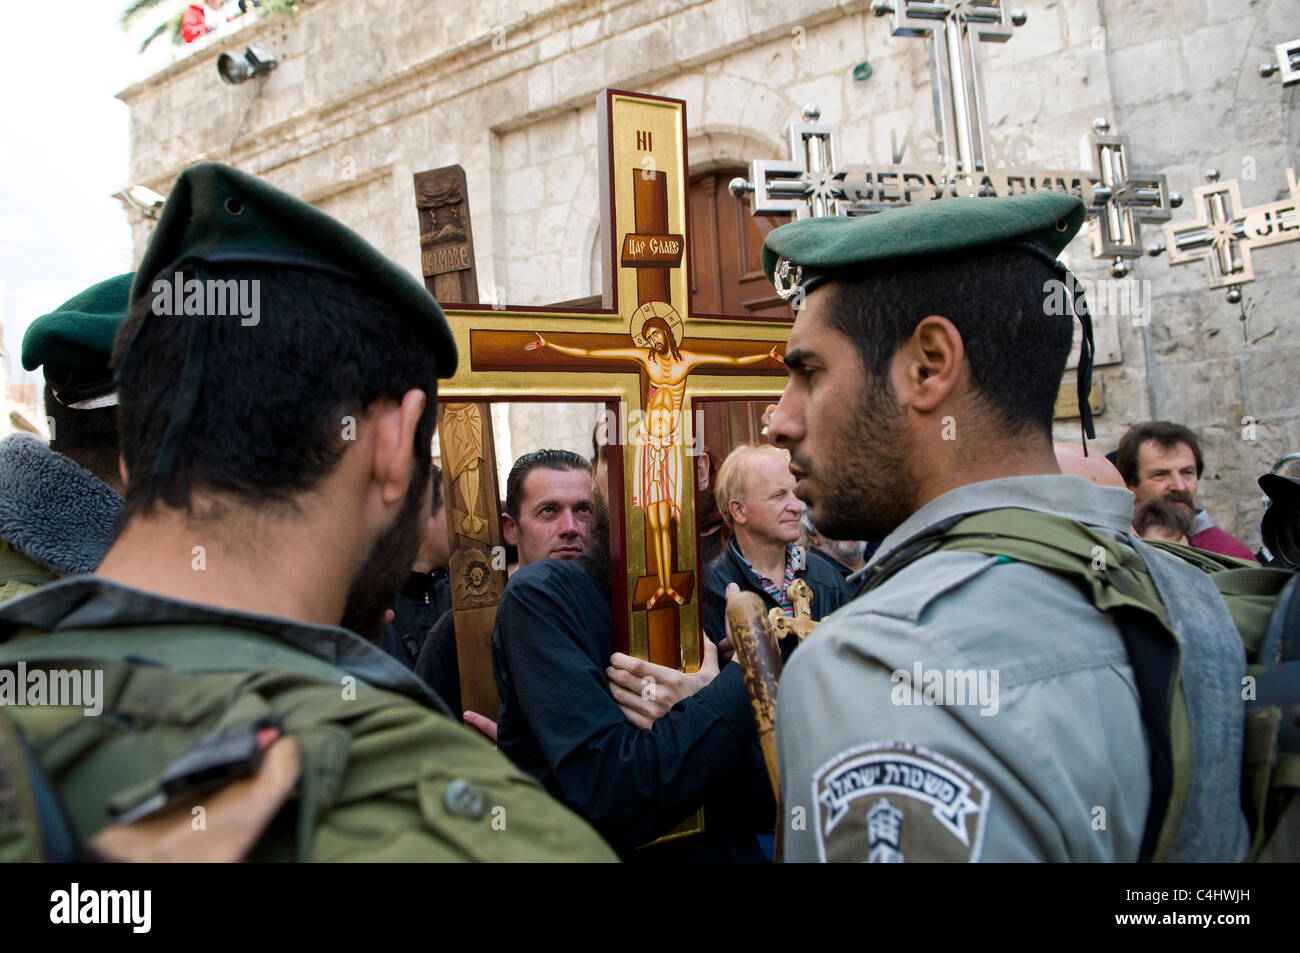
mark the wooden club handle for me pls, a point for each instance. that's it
(759, 657)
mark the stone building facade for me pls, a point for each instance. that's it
(368, 92)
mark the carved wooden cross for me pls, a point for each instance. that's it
(801, 622)
(646, 354)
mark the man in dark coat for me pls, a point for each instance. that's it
(755, 492)
(426, 595)
(560, 723)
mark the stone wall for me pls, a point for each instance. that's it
(370, 91)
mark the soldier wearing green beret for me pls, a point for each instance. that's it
(277, 380)
(1018, 678)
(59, 502)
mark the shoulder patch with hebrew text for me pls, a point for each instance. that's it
(892, 802)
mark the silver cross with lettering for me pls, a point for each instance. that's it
(954, 31)
(1288, 63)
(807, 184)
(1129, 199)
(1223, 234)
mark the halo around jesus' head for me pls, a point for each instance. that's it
(655, 309)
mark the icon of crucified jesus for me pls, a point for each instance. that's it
(656, 330)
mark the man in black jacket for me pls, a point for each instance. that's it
(560, 722)
(755, 492)
(427, 592)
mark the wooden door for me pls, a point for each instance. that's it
(726, 252)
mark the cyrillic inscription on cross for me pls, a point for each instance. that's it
(813, 182)
(647, 353)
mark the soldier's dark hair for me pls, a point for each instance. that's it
(87, 437)
(994, 297)
(551, 460)
(271, 417)
(1166, 434)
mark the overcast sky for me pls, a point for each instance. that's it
(63, 152)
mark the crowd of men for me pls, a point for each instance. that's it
(242, 528)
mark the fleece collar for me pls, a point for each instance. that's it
(53, 510)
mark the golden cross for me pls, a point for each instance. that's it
(646, 354)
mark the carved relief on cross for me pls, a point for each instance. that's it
(648, 356)
(1224, 234)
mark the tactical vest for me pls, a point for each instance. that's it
(1263, 603)
(382, 777)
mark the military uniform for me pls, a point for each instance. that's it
(967, 705)
(388, 776)
(56, 517)
(384, 773)
(1045, 759)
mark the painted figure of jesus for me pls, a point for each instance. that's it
(656, 330)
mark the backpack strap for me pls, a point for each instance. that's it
(34, 825)
(150, 715)
(1117, 581)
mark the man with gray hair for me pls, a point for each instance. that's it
(755, 493)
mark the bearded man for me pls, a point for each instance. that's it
(1015, 665)
(276, 463)
(1162, 460)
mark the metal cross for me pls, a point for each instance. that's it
(1224, 233)
(808, 184)
(811, 183)
(954, 31)
(1288, 63)
(1123, 200)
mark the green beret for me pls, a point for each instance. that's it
(73, 342)
(812, 250)
(219, 215)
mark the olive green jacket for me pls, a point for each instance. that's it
(386, 776)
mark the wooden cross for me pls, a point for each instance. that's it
(1223, 233)
(801, 622)
(446, 239)
(647, 357)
